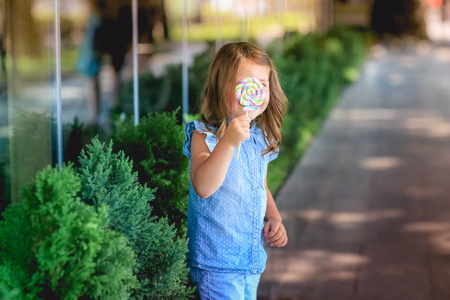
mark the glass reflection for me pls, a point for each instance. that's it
(102, 31)
(27, 92)
(4, 140)
(96, 66)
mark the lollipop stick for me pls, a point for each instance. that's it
(239, 148)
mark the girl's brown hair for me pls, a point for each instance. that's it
(221, 80)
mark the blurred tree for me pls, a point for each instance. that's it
(22, 28)
(398, 17)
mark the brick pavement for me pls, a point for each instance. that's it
(367, 210)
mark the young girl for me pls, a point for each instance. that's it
(228, 198)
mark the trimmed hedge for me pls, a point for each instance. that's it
(107, 178)
(53, 246)
(313, 70)
(109, 245)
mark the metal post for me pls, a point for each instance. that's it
(59, 136)
(185, 87)
(135, 63)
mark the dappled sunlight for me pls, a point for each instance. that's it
(378, 51)
(440, 242)
(396, 79)
(424, 227)
(423, 192)
(409, 62)
(311, 265)
(364, 114)
(438, 234)
(380, 163)
(351, 218)
(341, 218)
(443, 54)
(432, 127)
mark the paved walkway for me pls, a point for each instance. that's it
(367, 210)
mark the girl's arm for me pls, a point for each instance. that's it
(208, 169)
(274, 229)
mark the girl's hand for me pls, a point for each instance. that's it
(238, 130)
(275, 233)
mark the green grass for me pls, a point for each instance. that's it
(234, 28)
(38, 68)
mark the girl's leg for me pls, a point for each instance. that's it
(251, 286)
(219, 285)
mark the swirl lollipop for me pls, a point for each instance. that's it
(249, 93)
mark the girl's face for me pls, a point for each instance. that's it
(250, 69)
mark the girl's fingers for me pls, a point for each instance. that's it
(279, 236)
(275, 243)
(281, 242)
(242, 118)
(240, 129)
(276, 236)
(273, 231)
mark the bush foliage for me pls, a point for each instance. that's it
(53, 246)
(313, 70)
(155, 146)
(108, 179)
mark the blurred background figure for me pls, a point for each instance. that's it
(398, 18)
(421, 19)
(108, 39)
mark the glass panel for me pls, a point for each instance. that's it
(96, 63)
(98, 72)
(212, 23)
(4, 138)
(160, 60)
(27, 92)
(97, 66)
(96, 36)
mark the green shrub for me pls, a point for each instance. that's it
(53, 246)
(313, 69)
(108, 179)
(5, 197)
(354, 45)
(155, 146)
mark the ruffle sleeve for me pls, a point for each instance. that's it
(191, 126)
(258, 137)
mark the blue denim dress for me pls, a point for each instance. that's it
(225, 230)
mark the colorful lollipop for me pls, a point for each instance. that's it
(249, 93)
